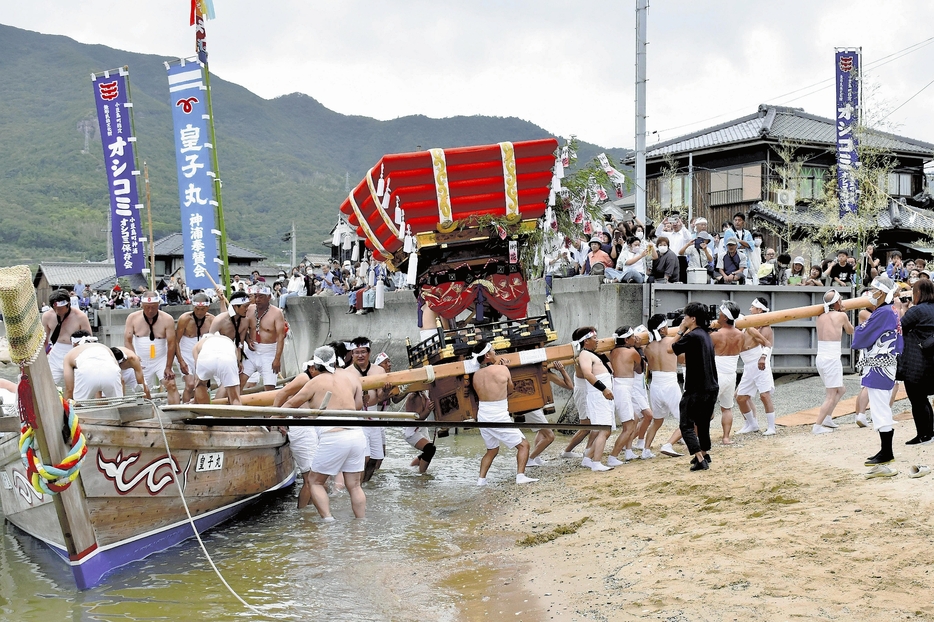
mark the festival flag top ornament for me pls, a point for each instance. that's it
(201, 10)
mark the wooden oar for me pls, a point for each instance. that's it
(220, 410)
(364, 423)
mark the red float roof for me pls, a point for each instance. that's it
(440, 189)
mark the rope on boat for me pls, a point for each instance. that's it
(52, 479)
(194, 528)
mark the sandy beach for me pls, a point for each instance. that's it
(779, 528)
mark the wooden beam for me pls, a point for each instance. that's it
(365, 423)
(220, 410)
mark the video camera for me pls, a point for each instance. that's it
(713, 312)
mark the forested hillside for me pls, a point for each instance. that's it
(281, 160)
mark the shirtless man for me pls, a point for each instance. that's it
(376, 437)
(59, 323)
(727, 344)
(191, 326)
(151, 334)
(340, 449)
(665, 394)
(545, 437)
(233, 322)
(492, 384)
(586, 339)
(640, 399)
(623, 358)
(268, 339)
(215, 358)
(757, 373)
(599, 395)
(90, 369)
(830, 326)
(131, 371)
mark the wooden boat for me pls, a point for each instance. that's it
(126, 501)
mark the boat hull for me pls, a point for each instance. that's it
(133, 503)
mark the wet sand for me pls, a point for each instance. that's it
(780, 527)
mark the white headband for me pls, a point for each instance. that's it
(349, 346)
(382, 356)
(654, 334)
(759, 305)
(365, 344)
(621, 339)
(77, 341)
(889, 292)
(62, 303)
(328, 365)
(833, 300)
(236, 302)
(150, 299)
(479, 355)
(580, 342)
(262, 290)
(729, 315)
(201, 304)
(308, 364)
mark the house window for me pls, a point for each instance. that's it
(899, 184)
(673, 192)
(160, 267)
(811, 183)
(736, 185)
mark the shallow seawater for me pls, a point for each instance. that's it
(285, 561)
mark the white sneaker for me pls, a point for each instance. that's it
(668, 450)
(481, 481)
(829, 423)
(819, 429)
(769, 432)
(535, 462)
(571, 454)
(630, 455)
(549, 299)
(647, 454)
(600, 467)
(521, 478)
(586, 463)
(613, 461)
(639, 444)
(861, 420)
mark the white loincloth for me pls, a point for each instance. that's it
(303, 439)
(622, 400)
(498, 411)
(96, 370)
(217, 361)
(260, 360)
(57, 361)
(599, 408)
(185, 346)
(755, 379)
(726, 372)
(666, 395)
(340, 451)
(152, 357)
(828, 363)
(640, 397)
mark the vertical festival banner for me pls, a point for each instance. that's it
(193, 156)
(847, 86)
(114, 114)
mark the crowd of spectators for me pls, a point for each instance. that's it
(628, 251)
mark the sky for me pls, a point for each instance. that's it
(566, 66)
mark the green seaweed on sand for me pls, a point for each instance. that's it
(553, 534)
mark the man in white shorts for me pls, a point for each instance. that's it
(216, 359)
(60, 322)
(90, 368)
(757, 373)
(131, 371)
(580, 403)
(727, 344)
(545, 437)
(830, 326)
(420, 403)
(665, 394)
(151, 334)
(599, 396)
(267, 339)
(340, 449)
(191, 325)
(492, 384)
(623, 358)
(375, 436)
(641, 408)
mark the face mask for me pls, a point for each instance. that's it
(662, 249)
(639, 234)
(757, 242)
(636, 249)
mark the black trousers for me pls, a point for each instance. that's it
(697, 409)
(921, 409)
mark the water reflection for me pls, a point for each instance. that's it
(285, 561)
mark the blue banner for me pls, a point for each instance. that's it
(113, 114)
(194, 158)
(847, 83)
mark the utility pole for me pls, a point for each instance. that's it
(641, 14)
(294, 256)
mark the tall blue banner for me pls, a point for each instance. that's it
(114, 116)
(847, 83)
(194, 158)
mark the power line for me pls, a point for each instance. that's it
(907, 100)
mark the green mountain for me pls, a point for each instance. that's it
(281, 160)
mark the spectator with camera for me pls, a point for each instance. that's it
(732, 264)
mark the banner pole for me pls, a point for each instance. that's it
(152, 248)
(225, 267)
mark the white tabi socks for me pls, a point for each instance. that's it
(770, 420)
(751, 425)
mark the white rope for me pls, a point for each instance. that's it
(194, 528)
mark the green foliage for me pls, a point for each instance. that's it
(281, 160)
